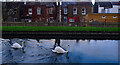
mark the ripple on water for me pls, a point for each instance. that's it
(82, 51)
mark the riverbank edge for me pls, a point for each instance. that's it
(98, 35)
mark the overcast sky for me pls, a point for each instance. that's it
(62, 0)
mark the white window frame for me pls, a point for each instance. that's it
(29, 21)
(51, 11)
(15, 11)
(102, 10)
(114, 16)
(119, 10)
(103, 17)
(65, 10)
(52, 20)
(65, 18)
(71, 20)
(30, 11)
(84, 12)
(74, 12)
(90, 20)
(38, 11)
(15, 19)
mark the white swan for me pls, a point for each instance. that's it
(58, 49)
(16, 45)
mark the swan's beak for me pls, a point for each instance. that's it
(67, 45)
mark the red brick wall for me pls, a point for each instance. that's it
(44, 12)
(79, 11)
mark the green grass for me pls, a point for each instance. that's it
(57, 28)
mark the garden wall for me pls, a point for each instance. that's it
(84, 24)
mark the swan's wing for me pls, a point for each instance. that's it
(59, 50)
(12, 46)
(16, 45)
(54, 51)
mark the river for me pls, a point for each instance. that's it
(80, 51)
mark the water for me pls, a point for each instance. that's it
(0, 51)
(82, 51)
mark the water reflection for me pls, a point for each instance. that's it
(77, 40)
(80, 51)
(67, 57)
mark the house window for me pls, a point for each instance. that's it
(103, 16)
(15, 11)
(51, 19)
(83, 11)
(51, 11)
(65, 10)
(74, 10)
(29, 20)
(90, 21)
(15, 19)
(119, 10)
(38, 11)
(114, 16)
(65, 19)
(103, 11)
(30, 11)
(71, 20)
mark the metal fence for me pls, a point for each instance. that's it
(83, 24)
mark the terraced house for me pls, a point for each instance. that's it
(76, 12)
(46, 11)
(12, 11)
(105, 12)
(39, 12)
(68, 12)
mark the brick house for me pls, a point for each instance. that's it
(46, 11)
(39, 12)
(34, 13)
(50, 13)
(65, 11)
(103, 17)
(12, 11)
(77, 12)
(64, 14)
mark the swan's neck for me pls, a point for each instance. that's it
(22, 44)
(67, 49)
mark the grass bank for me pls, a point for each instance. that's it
(57, 28)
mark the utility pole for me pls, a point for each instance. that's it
(59, 3)
(60, 10)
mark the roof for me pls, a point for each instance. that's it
(41, 3)
(116, 3)
(105, 4)
(84, 3)
(104, 13)
(65, 4)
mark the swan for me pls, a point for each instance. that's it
(16, 45)
(58, 49)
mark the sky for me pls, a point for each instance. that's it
(62, 0)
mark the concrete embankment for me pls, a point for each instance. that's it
(62, 34)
